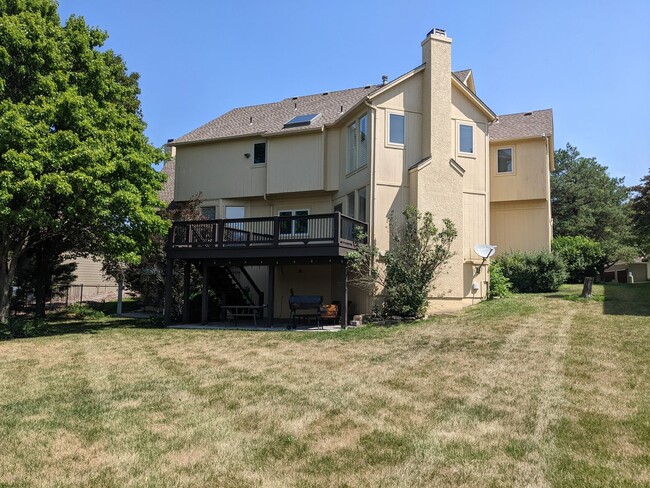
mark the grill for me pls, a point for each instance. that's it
(305, 302)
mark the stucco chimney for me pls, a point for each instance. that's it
(436, 95)
(438, 187)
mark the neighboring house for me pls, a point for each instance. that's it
(289, 183)
(633, 272)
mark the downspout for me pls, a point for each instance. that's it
(371, 210)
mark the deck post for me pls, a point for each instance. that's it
(271, 294)
(344, 307)
(186, 291)
(204, 296)
(169, 271)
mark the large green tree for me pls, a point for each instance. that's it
(640, 205)
(587, 202)
(75, 167)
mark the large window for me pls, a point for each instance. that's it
(465, 138)
(293, 227)
(357, 144)
(259, 153)
(396, 129)
(351, 205)
(504, 160)
(357, 204)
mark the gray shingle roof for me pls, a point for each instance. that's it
(462, 75)
(167, 193)
(522, 125)
(271, 117)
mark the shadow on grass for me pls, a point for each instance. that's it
(627, 299)
(28, 328)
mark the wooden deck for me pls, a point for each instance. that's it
(306, 236)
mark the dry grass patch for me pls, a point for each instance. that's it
(525, 391)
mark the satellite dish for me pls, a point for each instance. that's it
(485, 250)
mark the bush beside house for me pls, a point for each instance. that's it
(535, 272)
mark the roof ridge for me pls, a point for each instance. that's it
(525, 112)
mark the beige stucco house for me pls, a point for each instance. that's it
(286, 184)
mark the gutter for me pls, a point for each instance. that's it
(371, 210)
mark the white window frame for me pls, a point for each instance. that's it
(496, 161)
(293, 232)
(388, 143)
(266, 154)
(352, 166)
(473, 127)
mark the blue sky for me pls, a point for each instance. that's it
(588, 60)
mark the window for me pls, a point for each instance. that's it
(208, 213)
(351, 206)
(466, 139)
(396, 129)
(356, 204)
(504, 160)
(235, 212)
(234, 231)
(293, 227)
(357, 144)
(361, 195)
(338, 208)
(259, 153)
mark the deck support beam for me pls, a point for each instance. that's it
(204, 295)
(169, 281)
(344, 305)
(186, 291)
(271, 293)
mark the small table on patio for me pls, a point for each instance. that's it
(237, 311)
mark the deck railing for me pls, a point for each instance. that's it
(294, 230)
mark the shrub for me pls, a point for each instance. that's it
(582, 256)
(500, 286)
(533, 272)
(21, 327)
(79, 311)
(418, 252)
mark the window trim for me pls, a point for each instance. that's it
(349, 167)
(496, 161)
(293, 232)
(266, 154)
(388, 142)
(458, 150)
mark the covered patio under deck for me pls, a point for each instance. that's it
(217, 246)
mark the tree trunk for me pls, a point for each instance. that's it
(42, 283)
(586, 288)
(8, 262)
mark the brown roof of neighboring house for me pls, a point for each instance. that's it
(167, 193)
(522, 125)
(271, 117)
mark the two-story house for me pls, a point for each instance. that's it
(286, 185)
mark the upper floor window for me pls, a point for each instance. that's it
(504, 160)
(396, 129)
(466, 138)
(259, 153)
(357, 144)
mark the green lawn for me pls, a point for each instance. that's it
(533, 390)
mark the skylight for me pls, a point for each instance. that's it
(301, 120)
